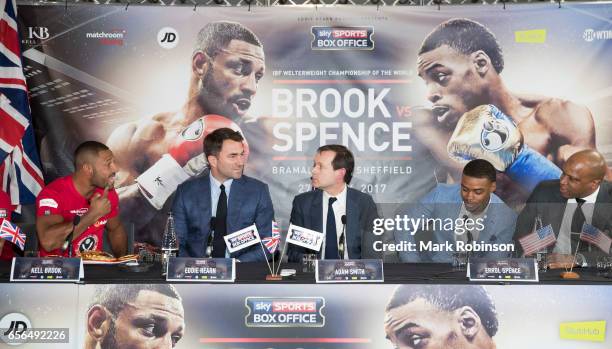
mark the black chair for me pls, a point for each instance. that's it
(129, 230)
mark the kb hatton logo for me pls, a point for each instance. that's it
(35, 35)
(590, 35)
(167, 38)
(40, 33)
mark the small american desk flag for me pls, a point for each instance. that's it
(596, 237)
(538, 240)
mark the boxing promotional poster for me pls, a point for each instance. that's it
(305, 316)
(401, 87)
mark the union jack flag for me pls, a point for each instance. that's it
(273, 241)
(12, 233)
(20, 174)
(594, 236)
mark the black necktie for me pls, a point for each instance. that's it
(331, 243)
(578, 218)
(220, 225)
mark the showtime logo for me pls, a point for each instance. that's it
(590, 35)
(112, 38)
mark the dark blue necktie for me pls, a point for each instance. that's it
(220, 225)
(331, 242)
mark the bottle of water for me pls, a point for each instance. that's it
(169, 243)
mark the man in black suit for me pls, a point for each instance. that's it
(347, 226)
(580, 195)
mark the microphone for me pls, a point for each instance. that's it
(209, 243)
(68, 242)
(470, 237)
(342, 242)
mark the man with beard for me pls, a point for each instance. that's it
(78, 208)
(156, 154)
(134, 316)
(461, 62)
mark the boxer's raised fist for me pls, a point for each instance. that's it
(486, 133)
(190, 141)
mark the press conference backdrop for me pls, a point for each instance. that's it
(93, 69)
(335, 316)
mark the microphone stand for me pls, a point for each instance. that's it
(68, 242)
(342, 240)
(209, 247)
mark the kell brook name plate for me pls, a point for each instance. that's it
(32, 269)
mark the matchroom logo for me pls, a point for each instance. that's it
(590, 35)
(113, 38)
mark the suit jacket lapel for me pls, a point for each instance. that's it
(488, 233)
(234, 203)
(203, 200)
(316, 211)
(603, 205)
(353, 231)
(553, 214)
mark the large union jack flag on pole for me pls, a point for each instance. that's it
(20, 174)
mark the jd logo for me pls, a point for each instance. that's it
(40, 33)
(167, 38)
(13, 323)
(17, 327)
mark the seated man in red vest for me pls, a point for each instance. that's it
(87, 194)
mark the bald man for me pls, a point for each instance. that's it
(580, 196)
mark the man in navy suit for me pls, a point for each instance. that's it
(347, 226)
(453, 206)
(221, 202)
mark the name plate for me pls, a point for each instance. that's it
(201, 269)
(507, 269)
(34, 269)
(347, 271)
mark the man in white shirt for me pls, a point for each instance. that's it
(579, 196)
(344, 215)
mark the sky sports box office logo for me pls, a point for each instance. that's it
(284, 312)
(342, 38)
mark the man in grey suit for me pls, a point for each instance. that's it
(344, 215)
(221, 202)
(468, 212)
(579, 196)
